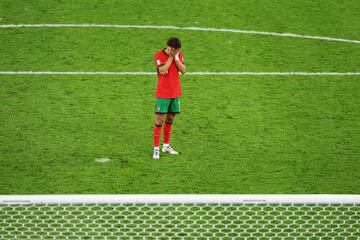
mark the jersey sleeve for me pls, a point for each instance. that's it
(159, 60)
(181, 57)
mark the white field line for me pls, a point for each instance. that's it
(180, 199)
(182, 28)
(190, 73)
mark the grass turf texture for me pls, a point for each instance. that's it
(243, 135)
(236, 134)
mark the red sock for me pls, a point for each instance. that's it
(167, 132)
(157, 134)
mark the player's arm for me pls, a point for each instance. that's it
(164, 68)
(179, 64)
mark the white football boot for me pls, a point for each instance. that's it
(168, 149)
(156, 155)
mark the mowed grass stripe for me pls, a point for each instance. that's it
(124, 50)
(292, 35)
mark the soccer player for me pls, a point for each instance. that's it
(169, 62)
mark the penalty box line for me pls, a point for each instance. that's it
(189, 73)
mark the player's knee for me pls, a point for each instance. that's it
(159, 123)
(170, 117)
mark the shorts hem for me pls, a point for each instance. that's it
(162, 113)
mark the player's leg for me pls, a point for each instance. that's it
(161, 108)
(167, 134)
(159, 123)
(174, 108)
(168, 128)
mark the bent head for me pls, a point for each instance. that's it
(173, 45)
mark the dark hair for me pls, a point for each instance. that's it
(174, 42)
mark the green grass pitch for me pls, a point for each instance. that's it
(237, 134)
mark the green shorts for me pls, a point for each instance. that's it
(167, 105)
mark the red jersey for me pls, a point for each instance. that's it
(169, 84)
